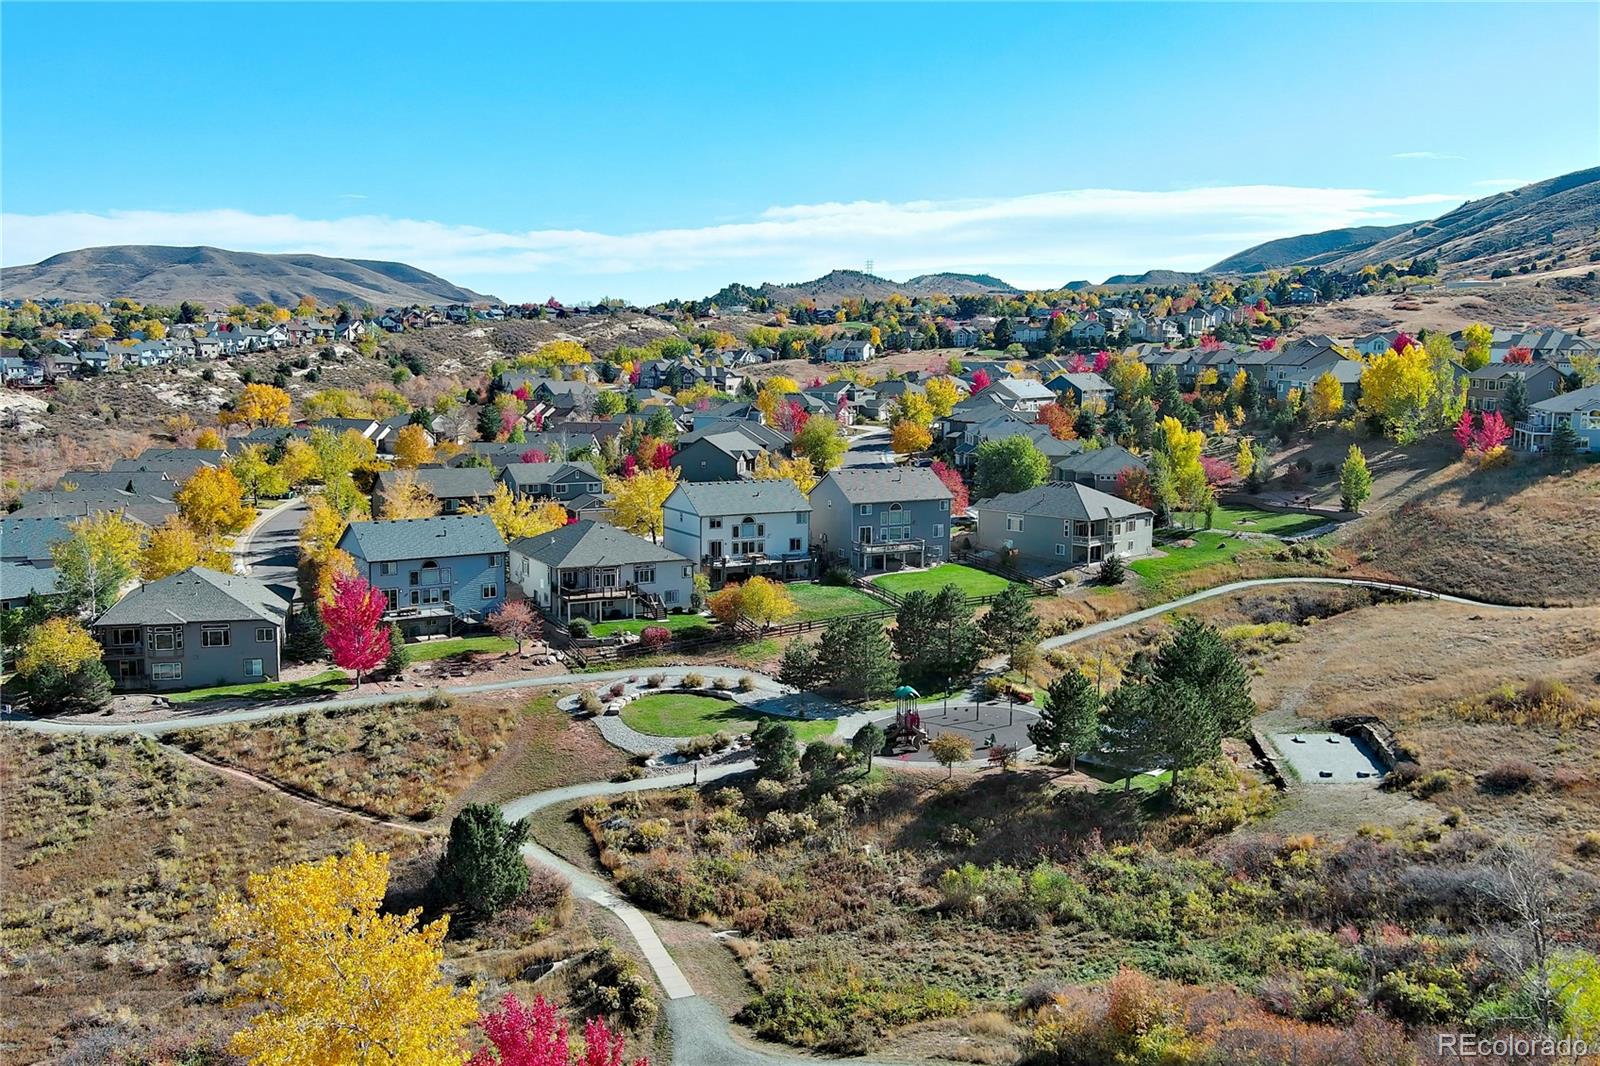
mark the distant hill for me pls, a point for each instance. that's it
(1302, 250)
(837, 284)
(1157, 278)
(214, 276)
(1544, 218)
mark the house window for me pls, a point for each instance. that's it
(489, 592)
(669, 596)
(688, 571)
(1080, 529)
(494, 560)
(388, 569)
(124, 637)
(802, 518)
(1061, 549)
(944, 505)
(644, 575)
(1591, 420)
(214, 637)
(866, 508)
(794, 544)
(715, 523)
(266, 635)
(1013, 523)
(938, 529)
(252, 668)
(165, 639)
(166, 671)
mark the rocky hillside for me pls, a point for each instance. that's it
(1306, 249)
(215, 276)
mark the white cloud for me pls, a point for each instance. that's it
(1424, 155)
(1038, 239)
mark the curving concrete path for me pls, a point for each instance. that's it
(701, 1036)
(765, 685)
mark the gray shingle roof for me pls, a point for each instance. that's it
(1577, 400)
(30, 538)
(1064, 500)
(592, 544)
(422, 538)
(17, 580)
(444, 482)
(523, 474)
(1112, 459)
(879, 485)
(740, 497)
(197, 595)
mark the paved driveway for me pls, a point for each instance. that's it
(271, 550)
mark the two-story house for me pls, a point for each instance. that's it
(195, 628)
(596, 571)
(1487, 385)
(1579, 409)
(562, 482)
(435, 573)
(1065, 524)
(716, 456)
(740, 529)
(840, 350)
(1084, 388)
(878, 519)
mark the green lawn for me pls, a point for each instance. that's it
(1278, 523)
(1208, 548)
(970, 581)
(829, 601)
(1140, 783)
(324, 684)
(679, 624)
(428, 650)
(683, 714)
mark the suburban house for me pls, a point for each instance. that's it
(1023, 395)
(1064, 523)
(563, 482)
(1298, 365)
(847, 351)
(878, 518)
(1087, 331)
(1084, 388)
(715, 456)
(455, 487)
(963, 336)
(596, 571)
(740, 529)
(1347, 372)
(26, 566)
(1487, 385)
(1099, 469)
(434, 572)
(195, 628)
(1579, 409)
(1375, 343)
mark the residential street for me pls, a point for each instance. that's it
(270, 550)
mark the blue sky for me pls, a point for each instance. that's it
(658, 150)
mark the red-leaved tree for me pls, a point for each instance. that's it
(792, 417)
(630, 466)
(1101, 361)
(535, 1034)
(1217, 470)
(1133, 485)
(980, 381)
(952, 481)
(661, 455)
(534, 455)
(1492, 432)
(515, 620)
(1077, 365)
(655, 637)
(1519, 356)
(1464, 431)
(1267, 344)
(509, 420)
(522, 393)
(1402, 341)
(352, 621)
(1208, 343)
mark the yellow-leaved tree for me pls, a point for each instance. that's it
(57, 643)
(412, 447)
(943, 395)
(636, 501)
(771, 393)
(912, 408)
(212, 501)
(258, 405)
(405, 498)
(517, 517)
(1327, 398)
(208, 438)
(174, 547)
(759, 600)
(1477, 340)
(1182, 449)
(1396, 389)
(908, 437)
(777, 468)
(337, 980)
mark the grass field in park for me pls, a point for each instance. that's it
(684, 714)
(971, 581)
